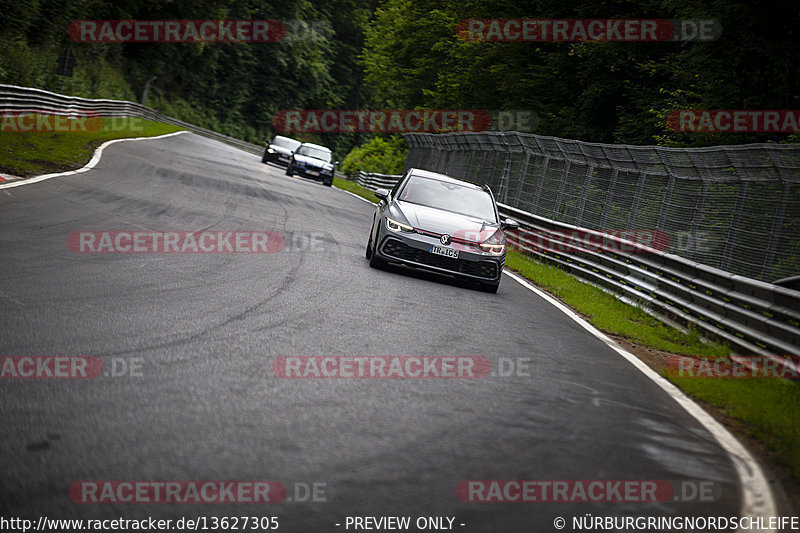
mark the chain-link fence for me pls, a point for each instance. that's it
(736, 208)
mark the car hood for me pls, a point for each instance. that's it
(312, 161)
(439, 221)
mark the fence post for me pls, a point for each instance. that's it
(728, 249)
(776, 233)
(586, 184)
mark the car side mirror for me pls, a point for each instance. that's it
(383, 194)
(510, 223)
(335, 163)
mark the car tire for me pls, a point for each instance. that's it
(264, 157)
(328, 183)
(375, 261)
(369, 248)
(289, 170)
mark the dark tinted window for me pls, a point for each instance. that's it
(314, 152)
(448, 196)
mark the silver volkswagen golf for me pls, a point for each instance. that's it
(438, 223)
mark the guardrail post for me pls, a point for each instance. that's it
(637, 198)
(776, 233)
(662, 215)
(586, 184)
(609, 197)
(727, 251)
(539, 186)
(522, 177)
(561, 186)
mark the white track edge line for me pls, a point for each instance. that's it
(354, 194)
(90, 165)
(757, 497)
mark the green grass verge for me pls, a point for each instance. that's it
(766, 409)
(609, 314)
(29, 153)
(355, 188)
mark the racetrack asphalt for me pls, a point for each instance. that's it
(204, 330)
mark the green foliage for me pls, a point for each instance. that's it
(233, 88)
(405, 54)
(30, 153)
(380, 155)
(619, 92)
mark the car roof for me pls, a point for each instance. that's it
(320, 147)
(443, 177)
(281, 137)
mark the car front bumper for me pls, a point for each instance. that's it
(314, 173)
(413, 249)
(276, 157)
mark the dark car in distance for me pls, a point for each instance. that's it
(434, 222)
(312, 161)
(280, 150)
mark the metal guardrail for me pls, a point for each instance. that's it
(753, 317)
(26, 99)
(731, 207)
(374, 181)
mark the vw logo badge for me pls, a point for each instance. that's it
(445, 239)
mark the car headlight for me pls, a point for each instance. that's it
(395, 226)
(270, 150)
(495, 244)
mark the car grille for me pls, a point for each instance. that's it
(400, 250)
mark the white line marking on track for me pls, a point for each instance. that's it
(355, 195)
(90, 165)
(757, 498)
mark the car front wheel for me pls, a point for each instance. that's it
(374, 260)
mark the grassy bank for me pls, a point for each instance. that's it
(766, 409)
(62, 144)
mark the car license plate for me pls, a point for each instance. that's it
(447, 252)
(313, 173)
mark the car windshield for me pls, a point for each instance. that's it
(283, 142)
(316, 153)
(448, 196)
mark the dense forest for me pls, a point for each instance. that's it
(406, 54)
